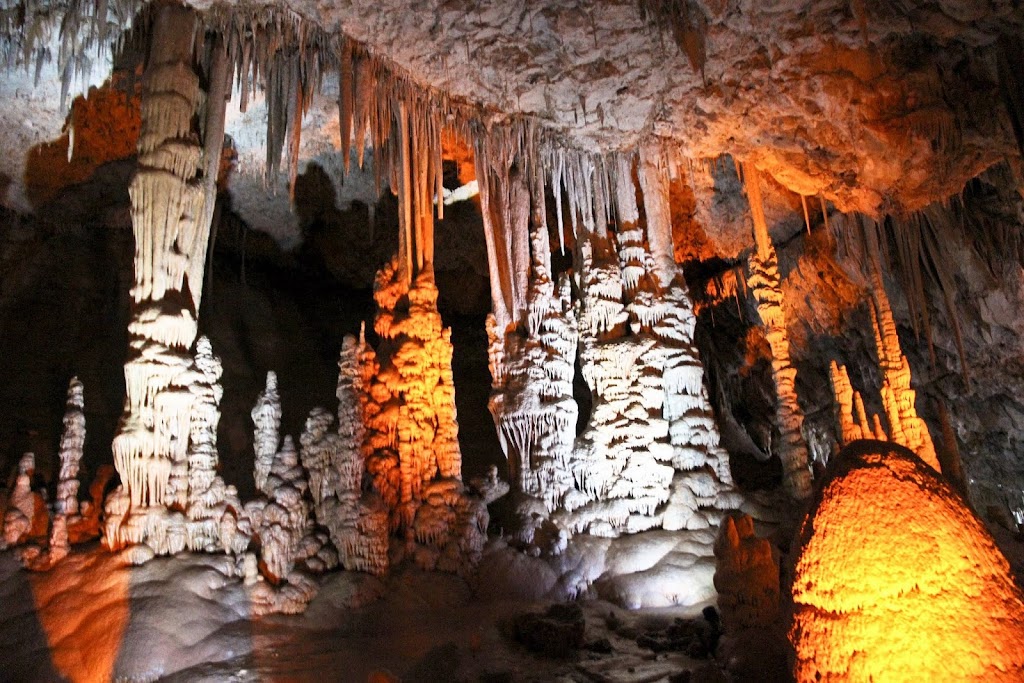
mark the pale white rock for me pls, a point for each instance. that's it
(71, 443)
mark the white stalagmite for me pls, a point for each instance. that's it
(72, 441)
(170, 220)
(649, 458)
(765, 283)
(357, 520)
(26, 514)
(208, 515)
(266, 419)
(290, 547)
(213, 507)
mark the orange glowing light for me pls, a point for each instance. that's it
(84, 622)
(898, 581)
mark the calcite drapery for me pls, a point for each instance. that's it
(765, 283)
(206, 513)
(170, 219)
(650, 456)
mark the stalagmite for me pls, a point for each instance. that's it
(922, 592)
(649, 458)
(266, 419)
(212, 507)
(290, 547)
(357, 520)
(26, 517)
(412, 429)
(765, 283)
(746, 576)
(170, 219)
(898, 399)
(71, 443)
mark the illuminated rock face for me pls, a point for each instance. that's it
(897, 580)
(408, 411)
(649, 457)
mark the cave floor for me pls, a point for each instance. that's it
(91, 618)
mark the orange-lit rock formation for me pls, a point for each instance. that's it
(898, 399)
(896, 579)
(765, 284)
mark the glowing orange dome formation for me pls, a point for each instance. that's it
(896, 580)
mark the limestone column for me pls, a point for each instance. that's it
(171, 201)
(766, 285)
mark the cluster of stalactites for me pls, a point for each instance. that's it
(765, 283)
(633, 326)
(905, 427)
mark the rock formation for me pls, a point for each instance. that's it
(26, 516)
(171, 220)
(71, 442)
(765, 284)
(746, 576)
(291, 548)
(411, 427)
(923, 593)
(206, 512)
(898, 399)
(649, 457)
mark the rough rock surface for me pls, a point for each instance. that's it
(924, 594)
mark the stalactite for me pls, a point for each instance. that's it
(654, 184)
(906, 428)
(765, 283)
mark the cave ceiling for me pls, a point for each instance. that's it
(879, 107)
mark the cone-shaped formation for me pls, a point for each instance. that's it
(898, 399)
(266, 420)
(207, 512)
(25, 516)
(765, 283)
(72, 441)
(170, 219)
(923, 593)
(746, 576)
